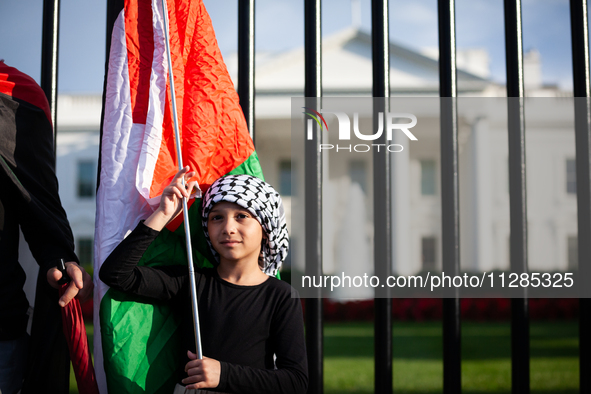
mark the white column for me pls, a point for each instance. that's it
(401, 188)
(481, 195)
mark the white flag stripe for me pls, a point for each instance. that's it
(124, 146)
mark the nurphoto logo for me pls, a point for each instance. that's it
(393, 121)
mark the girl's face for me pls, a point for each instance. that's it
(234, 233)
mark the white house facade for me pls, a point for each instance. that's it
(484, 198)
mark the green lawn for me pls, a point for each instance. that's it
(418, 369)
(486, 358)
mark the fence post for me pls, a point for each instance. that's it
(246, 61)
(582, 93)
(313, 194)
(450, 215)
(517, 193)
(51, 362)
(49, 58)
(382, 201)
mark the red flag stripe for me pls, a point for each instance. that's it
(180, 37)
(140, 53)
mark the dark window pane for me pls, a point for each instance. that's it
(285, 178)
(86, 179)
(358, 174)
(428, 178)
(84, 251)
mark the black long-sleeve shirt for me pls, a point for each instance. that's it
(243, 327)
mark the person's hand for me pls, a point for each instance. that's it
(80, 286)
(203, 373)
(172, 195)
(171, 200)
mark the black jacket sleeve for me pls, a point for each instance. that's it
(29, 182)
(291, 373)
(120, 270)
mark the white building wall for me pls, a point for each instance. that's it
(484, 198)
(73, 147)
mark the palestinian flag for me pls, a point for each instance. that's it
(138, 159)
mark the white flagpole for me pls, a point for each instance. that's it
(185, 208)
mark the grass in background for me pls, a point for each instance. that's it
(418, 366)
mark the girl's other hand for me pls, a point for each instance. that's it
(203, 374)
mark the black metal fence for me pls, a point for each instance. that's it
(449, 175)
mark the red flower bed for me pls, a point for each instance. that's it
(475, 309)
(428, 309)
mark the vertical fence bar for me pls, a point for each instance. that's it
(380, 48)
(313, 194)
(382, 204)
(246, 61)
(49, 58)
(517, 192)
(582, 93)
(450, 216)
(51, 360)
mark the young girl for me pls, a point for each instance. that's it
(251, 323)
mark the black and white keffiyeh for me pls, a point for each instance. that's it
(262, 201)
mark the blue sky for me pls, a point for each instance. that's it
(279, 27)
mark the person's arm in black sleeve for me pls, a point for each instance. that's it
(291, 375)
(30, 186)
(120, 270)
(27, 171)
